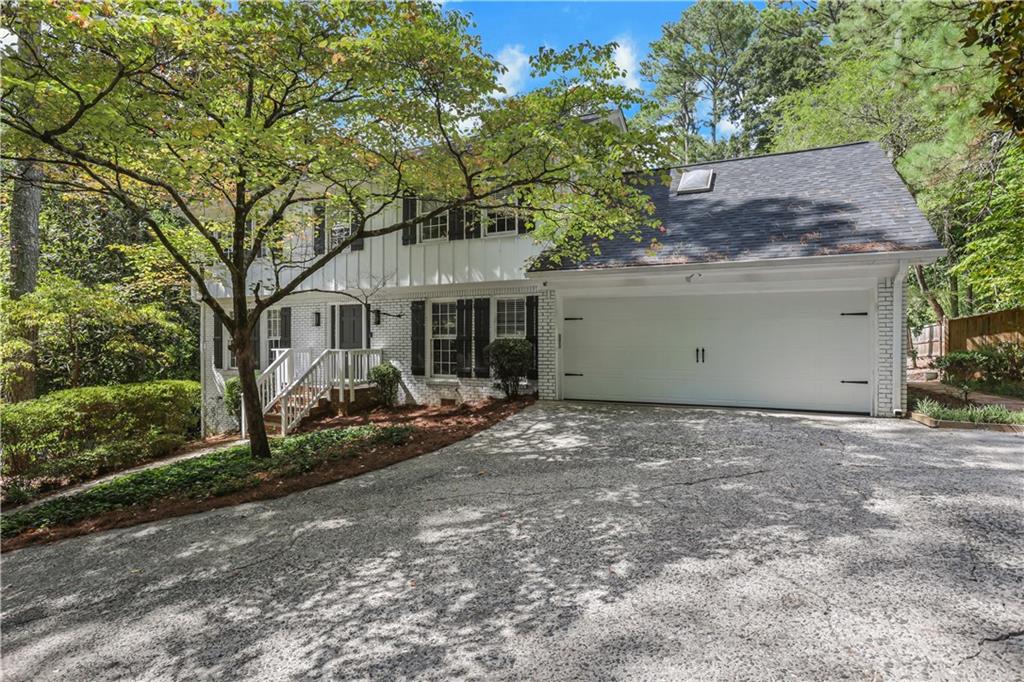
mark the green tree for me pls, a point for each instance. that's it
(696, 61)
(788, 52)
(236, 118)
(89, 335)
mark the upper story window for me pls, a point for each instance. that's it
(501, 221)
(340, 229)
(434, 228)
(510, 318)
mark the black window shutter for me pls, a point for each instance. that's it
(256, 344)
(419, 338)
(472, 220)
(408, 213)
(520, 224)
(482, 336)
(334, 334)
(456, 224)
(531, 332)
(320, 228)
(357, 244)
(218, 343)
(286, 327)
(464, 337)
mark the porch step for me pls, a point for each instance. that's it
(336, 403)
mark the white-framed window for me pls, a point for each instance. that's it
(232, 362)
(273, 331)
(500, 221)
(435, 228)
(510, 318)
(443, 330)
(340, 227)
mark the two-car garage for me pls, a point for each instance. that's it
(794, 350)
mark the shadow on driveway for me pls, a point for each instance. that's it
(573, 540)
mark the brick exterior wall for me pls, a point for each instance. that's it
(394, 336)
(887, 396)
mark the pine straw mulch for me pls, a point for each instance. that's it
(435, 427)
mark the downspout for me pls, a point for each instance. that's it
(899, 356)
(202, 371)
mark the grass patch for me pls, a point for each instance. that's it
(213, 475)
(979, 414)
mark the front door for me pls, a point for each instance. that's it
(349, 332)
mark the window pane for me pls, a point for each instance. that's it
(501, 221)
(511, 317)
(274, 324)
(445, 318)
(436, 227)
(444, 357)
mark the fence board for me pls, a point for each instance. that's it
(976, 331)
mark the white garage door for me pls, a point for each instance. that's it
(806, 351)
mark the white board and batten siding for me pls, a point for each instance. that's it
(386, 260)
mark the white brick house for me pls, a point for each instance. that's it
(778, 282)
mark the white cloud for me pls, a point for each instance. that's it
(517, 64)
(626, 59)
(727, 128)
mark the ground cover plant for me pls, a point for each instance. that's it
(212, 475)
(979, 414)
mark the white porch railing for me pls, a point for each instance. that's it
(358, 363)
(306, 391)
(296, 380)
(276, 378)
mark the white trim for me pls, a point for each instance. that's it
(898, 338)
(882, 258)
(429, 374)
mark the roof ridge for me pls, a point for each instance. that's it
(762, 156)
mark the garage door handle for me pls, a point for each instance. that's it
(848, 381)
(696, 354)
(702, 355)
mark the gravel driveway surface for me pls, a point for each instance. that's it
(575, 541)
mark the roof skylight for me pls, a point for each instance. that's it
(694, 181)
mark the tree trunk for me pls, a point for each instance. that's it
(954, 296)
(26, 203)
(255, 427)
(928, 294)
(969, 300)
(910, 346)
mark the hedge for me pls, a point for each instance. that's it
(80, 433)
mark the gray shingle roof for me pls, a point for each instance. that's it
(819, 202)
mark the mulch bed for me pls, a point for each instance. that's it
(435, 427)
(946, 400)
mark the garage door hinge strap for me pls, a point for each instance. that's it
(573, 318)
(847, 381)
(573, 374)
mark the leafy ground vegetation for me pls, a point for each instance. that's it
(213, 475)
(981, 414)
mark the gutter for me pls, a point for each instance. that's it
(898, 335)
(877, 258)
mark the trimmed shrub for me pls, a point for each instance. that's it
(1001, 363)
(510, 361)
(80, 433)
(233, 397)
(387, 378)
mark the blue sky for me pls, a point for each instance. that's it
(511, 31)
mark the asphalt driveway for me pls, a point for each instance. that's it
(571, 541)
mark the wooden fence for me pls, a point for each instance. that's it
(970, 333)
(930, 341)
